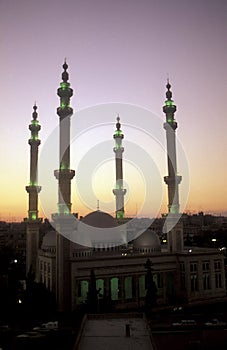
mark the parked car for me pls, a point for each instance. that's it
(215, 322)
(184, 323)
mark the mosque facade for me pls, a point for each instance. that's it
(181, 275)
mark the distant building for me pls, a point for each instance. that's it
(13, 235)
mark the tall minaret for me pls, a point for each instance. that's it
(119, 191)
(32, 239)
(175, 234)
(63, 219)
(64, 174)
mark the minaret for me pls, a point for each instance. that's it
(32, 239)
(64, 174)
(63, 219)
(175, 234)
(119, 191)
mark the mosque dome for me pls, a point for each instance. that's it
(49, 240)
(147, 242)
(99, 219)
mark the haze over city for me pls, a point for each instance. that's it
(121, 53)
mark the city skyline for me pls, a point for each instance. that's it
(119, 53)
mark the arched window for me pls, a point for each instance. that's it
(114, 285)
(128, 287)
(82, 291)
(100, 287)
(142, 289)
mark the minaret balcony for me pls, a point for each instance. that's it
(34, 142)
(33, 189)
(66, 92)
(118, 150)
(170, 124)
(64, 174)
(172, 181)
(34, 127)
(169, 109)
(64, 112)
(119, 191)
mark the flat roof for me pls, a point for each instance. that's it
(102, 332)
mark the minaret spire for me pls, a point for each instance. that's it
(33, 189)
(119, 191)
(174, 227)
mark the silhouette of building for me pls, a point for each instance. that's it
(180, 274)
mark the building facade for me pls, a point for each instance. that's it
(180, 274)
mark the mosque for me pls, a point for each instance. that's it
(181, 275)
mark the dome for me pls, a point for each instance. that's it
(147, 242)
(99, 219)
(49, 240)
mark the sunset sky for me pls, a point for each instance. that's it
(120, 54)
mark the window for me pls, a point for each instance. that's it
(217, 264)
(193, 266)
(182, 267)
(158, 279)
(182, 280)
(79, 290)
(194, 282)
(218, 280)
(206, 281)
(182, 275)
(194, 276)
(206, 265)
(128, 287)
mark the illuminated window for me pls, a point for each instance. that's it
(100, 288)
(142, 289)
(114, 288)
(128, 287)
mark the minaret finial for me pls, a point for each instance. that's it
(168, 92)
(118, 124)
(34, 114)
(65, 74)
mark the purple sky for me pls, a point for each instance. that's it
(117, 51)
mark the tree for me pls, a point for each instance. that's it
(38, 301)
(151, 294)
(92, 295)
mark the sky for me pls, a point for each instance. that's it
(120, 54)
